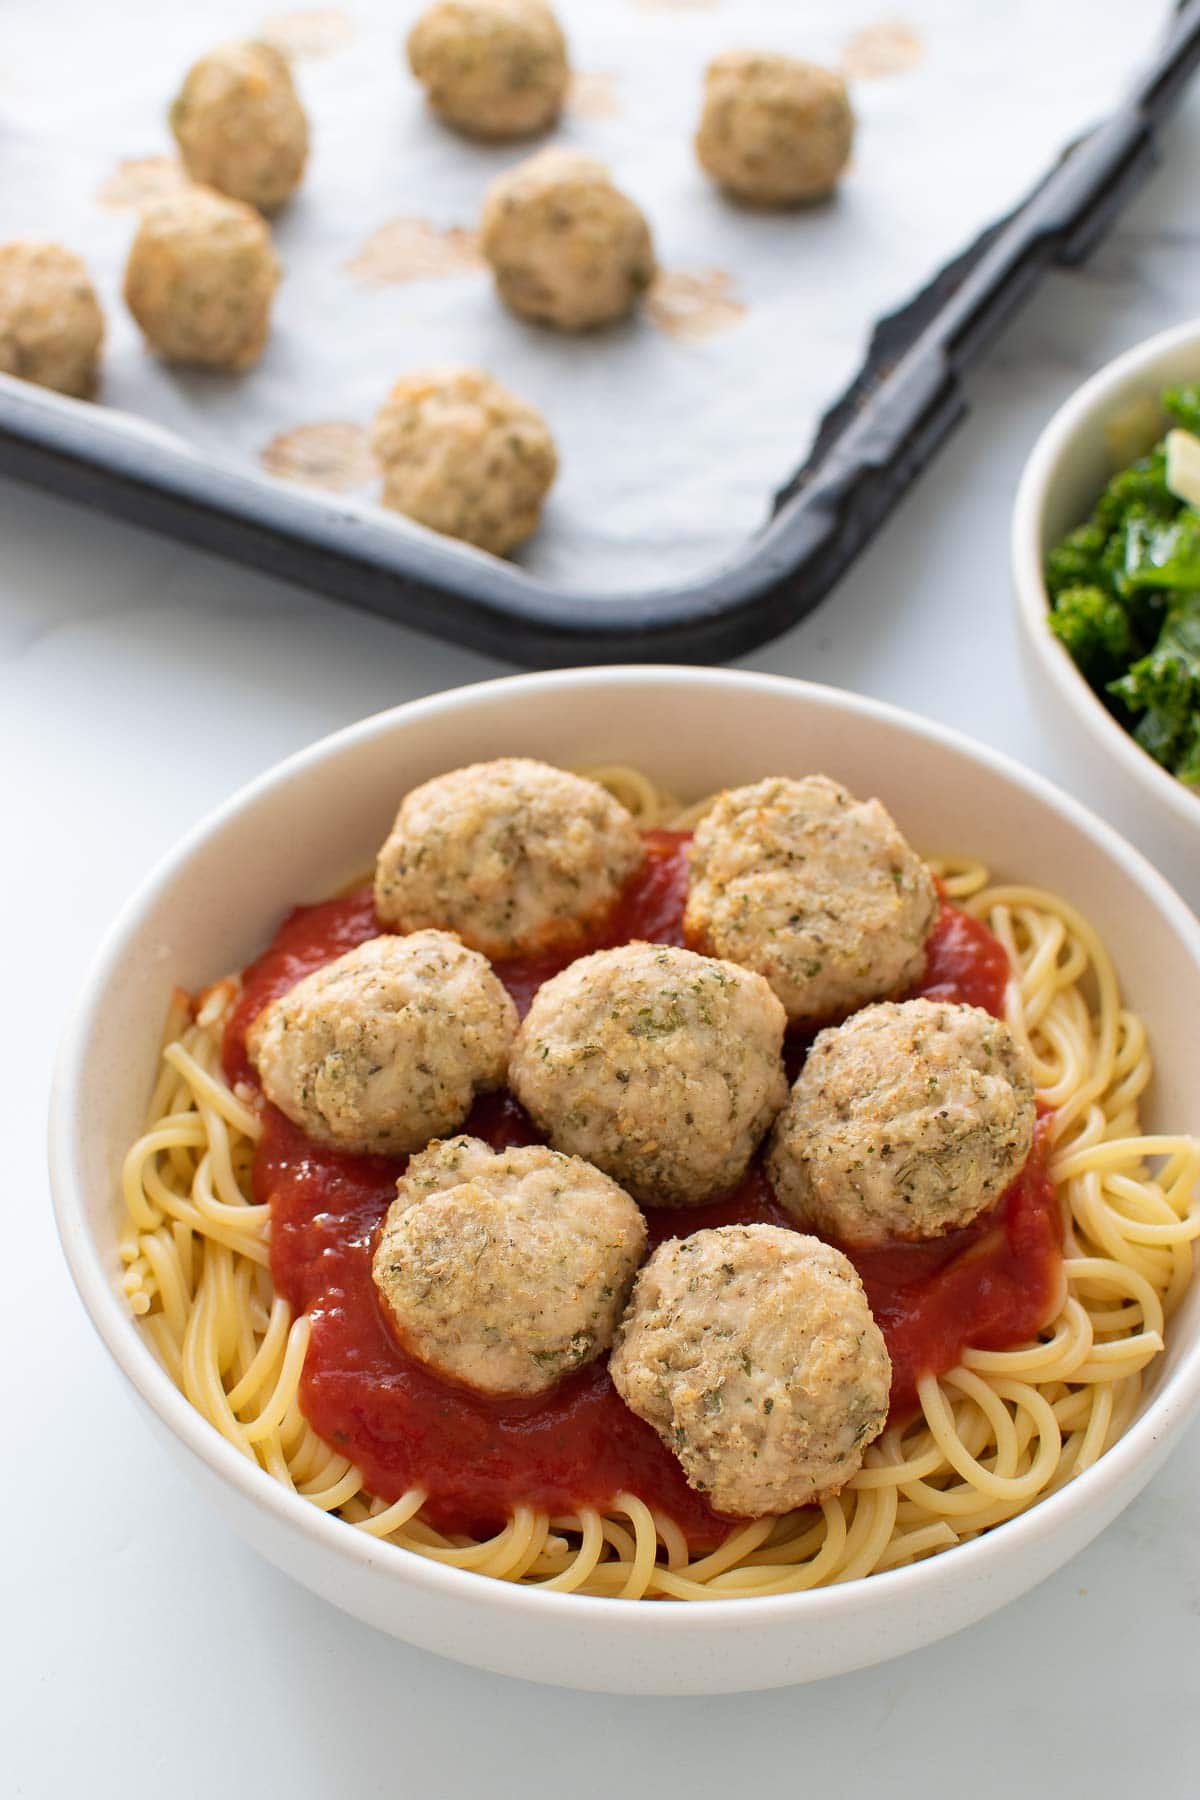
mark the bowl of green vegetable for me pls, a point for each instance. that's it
(1106, 560)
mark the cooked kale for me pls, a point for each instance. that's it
(1162, 553)
(1096, 630)
(1162, 689)
(1125, 601)
(1182, 403)
(1076, 561)
(1142, 484)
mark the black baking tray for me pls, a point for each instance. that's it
(871, 445)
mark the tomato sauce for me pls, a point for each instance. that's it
(990, 1286)
(309, 937)
(477, 1456)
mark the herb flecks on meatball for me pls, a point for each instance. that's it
(464, 456)
(514, 855)
(816, 890)
(906, 1122)
(387, 1046)
(752, 1352)
(662, 1067)
(506, 1270)
(240, 126)
(491, 68)
(567, 247)
(51, 325)
(774, 131)
(200, 280)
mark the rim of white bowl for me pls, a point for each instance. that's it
(1037, 477)
(1166, 1413)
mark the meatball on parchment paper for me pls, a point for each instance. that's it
(671, 435)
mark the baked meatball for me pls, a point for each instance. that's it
(662, 1067)
(200, 280)
(906, 1122)
(51, 326)
(816, 890)
(462, 455)
(774, 131)
(753, 1353)
(387, 1046)
(491, 68)
(513, 855)
(506, 1271)
(566, 247)
(240, 126)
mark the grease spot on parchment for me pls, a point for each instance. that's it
(414, 250)
(332, 454)
(877, 51)
(593, 95)
(309, 33)
(691, 307)
(140, 179)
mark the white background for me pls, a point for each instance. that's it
(143, 1650)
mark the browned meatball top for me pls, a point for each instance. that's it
(906, 1122)
(753, 1353)
(506, 1270)
(815, 889)
(662, 1067)
(387, 1046)
(514, 855)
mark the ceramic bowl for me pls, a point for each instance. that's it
(309, 825)
(1068, 468)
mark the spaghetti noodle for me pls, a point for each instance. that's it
(991, 1436)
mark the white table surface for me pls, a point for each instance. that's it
(144, 1650)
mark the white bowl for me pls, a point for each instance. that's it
(1069, 466)
(304, 828)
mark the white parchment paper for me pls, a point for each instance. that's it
(672, 441)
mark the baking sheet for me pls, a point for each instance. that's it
(673, 429)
